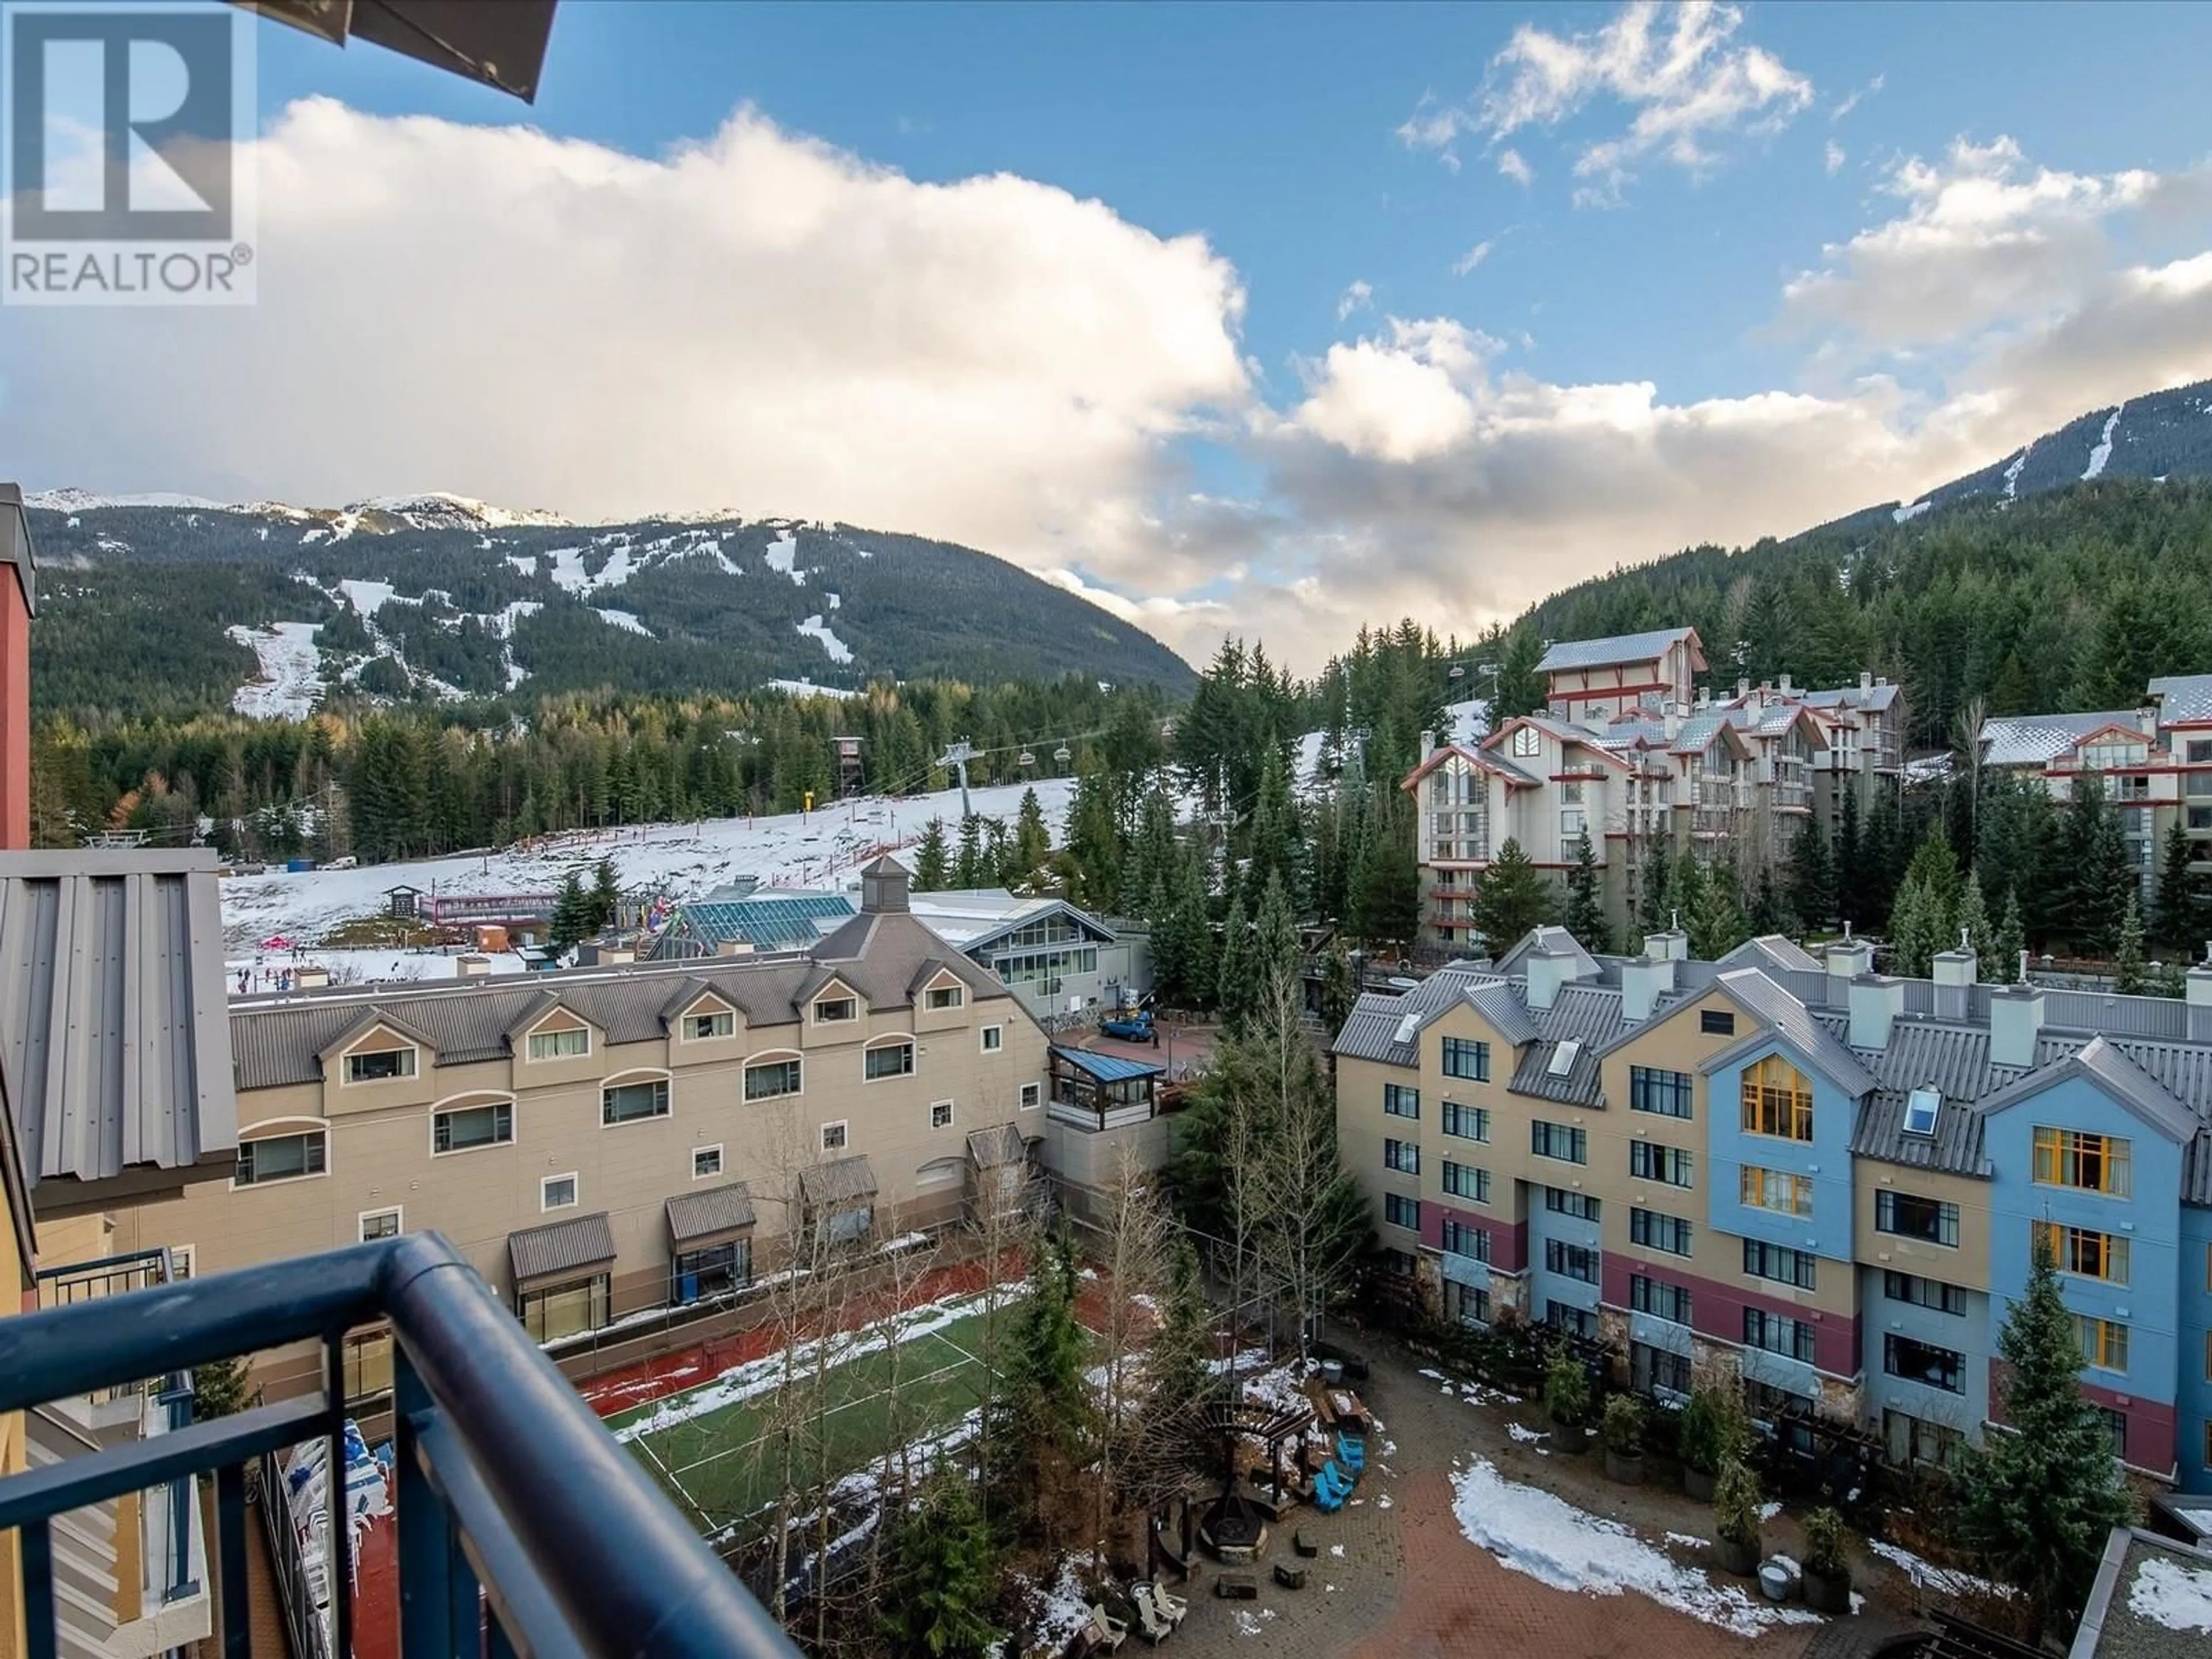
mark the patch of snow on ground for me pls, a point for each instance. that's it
(1948, 1580)
(291, 671)
(568, 569)
(368, 598)
(681, 860)
(1528, 1437)
(781, 555)
(357, 966)
(1066, 1609)
(815, 629)
(1904, 514)
(837, 601)
(2012, 474)
(2169, 1594)
(1688, 1540)
(2102, 452)
(526, 562)
(623, 619)
(1540, 1534)
(1769, 1510)
(808, 688)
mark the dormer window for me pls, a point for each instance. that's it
(703, 1027)
(1527, 742)
(942, 997)
(380, 1065)
(836, 1011)
(560, 1045)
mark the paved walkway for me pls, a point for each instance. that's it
(1396, 1578)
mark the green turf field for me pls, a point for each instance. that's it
(718, 1468)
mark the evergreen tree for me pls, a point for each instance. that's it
(221, 1388)
(1152, 850)
(2181, 907)
(1032, 843)
(1094, 843)
(1585, 913)
(605, 896)
(1339, 990)
(1279, 959)
(1844, 862)
(1770, 910)
(1716, 922)
(1389, 902)
(2097, 880)
(1812, 880)
(948, 1566)
(1274, 848)
(1972, 921)
(1183, 974)
(2039, 1502)
(1179, 1382)
(572, 914)
(2010, 943)
(2128, 978)
(1917, 930)
(1652, 891)
(1685, 890)
(1045, 1407)
(968, 862)
(933, 863)
(1512, 898)
(1233, 987)
(1879, 863)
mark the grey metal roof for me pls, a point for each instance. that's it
(2037, 739)
(465, 1021)
(838, 1182)
(2183, 698)
(1695, 735)
(1772, 951)
(113, 1032)
(1545, 937)
(2120, 1078)
(1619, 648)
(1784, 1015)
(728, 1209)
(996, 1147)
(1504, 1012)
(561, 1246)
(1371, 1031)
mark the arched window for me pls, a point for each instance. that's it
(1777, 1100)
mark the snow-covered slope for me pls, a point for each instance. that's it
(291, 671)
(681, 860)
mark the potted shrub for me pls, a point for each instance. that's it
(1735, 1518)
(1567, 1398)
(1624, 1440)
(1712, 1431)
(1827, 1575)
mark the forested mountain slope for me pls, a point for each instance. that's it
(167, 605)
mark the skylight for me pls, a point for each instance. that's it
(1563, 1058)
(1920, 1108)
(1407, 1026)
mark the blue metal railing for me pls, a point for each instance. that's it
(523, 1528)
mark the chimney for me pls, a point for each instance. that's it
(2147, 722)
(2016, 1022)
(1786, 687)
(733, 947)
(1743, 690)
(472, 967)
(1866, 679)
(1548, 969)
(1671, 946)
(1954, 972)
(1428, 744)
(1846, 960)
(1671, 722)
(1876, 1000)
(1643, 982)
(2197, 986)
(19, 600)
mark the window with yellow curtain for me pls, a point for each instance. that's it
(1777, 1100)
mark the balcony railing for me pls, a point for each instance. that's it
(518, 1517)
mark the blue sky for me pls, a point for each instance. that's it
(1851, 250)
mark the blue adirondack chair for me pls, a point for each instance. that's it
(1351, 1452)
(1332, 1483)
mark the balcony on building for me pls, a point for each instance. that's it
(519, 1525)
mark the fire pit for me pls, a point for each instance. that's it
(1234, 1530)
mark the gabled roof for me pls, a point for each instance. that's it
(1567, 737)
(2119, 1078)
(2126, 728)
(928, 970)
(368, 1022)
(544, 1003)
(690, 991)
(2183, 699)
(838, 1182)
(708, 1213)
(561, 1246)
(1618, 650)
(1780, 1015)
(996, 1147)
(1546, 937)
(1482, 759)
(1497, 1005)
(1772, 949)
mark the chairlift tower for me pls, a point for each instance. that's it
(956, 757)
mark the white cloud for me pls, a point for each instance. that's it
(1397, 397)
(1360, 296)
(1473, 256)
(1834, 159)
(1856, 96)
(1679, 70)
(759, 319)
(1512, 166)
(1984, 239)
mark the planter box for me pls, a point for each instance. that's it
(1574, 1442)
(1742, 1560)
(1826, 1594)
(1696, 1483)
(1627, 1471)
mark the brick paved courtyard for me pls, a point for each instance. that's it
(1396, 1579)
